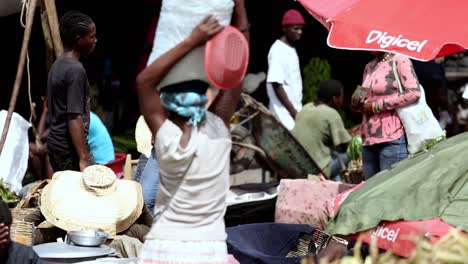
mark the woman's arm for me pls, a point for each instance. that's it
(358, 98)
(226, 101)
(240, 19)
(151, 76)
(410, 85)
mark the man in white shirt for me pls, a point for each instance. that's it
(284, 81)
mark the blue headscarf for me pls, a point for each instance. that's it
(186, 104)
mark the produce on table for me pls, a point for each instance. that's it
(354, 151)
(353, 173)
(6, 195)
(452, 248)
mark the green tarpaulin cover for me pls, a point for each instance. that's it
(432, 184)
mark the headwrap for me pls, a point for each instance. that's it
(186, 104)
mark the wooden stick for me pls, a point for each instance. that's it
(47, 36)
(54, 26)
(20, 70)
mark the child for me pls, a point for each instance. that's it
(320, 129)
(68, 95)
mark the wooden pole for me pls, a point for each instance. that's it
(47, 36)
(54, 26)
(20, 70)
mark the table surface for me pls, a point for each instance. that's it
(60, 250)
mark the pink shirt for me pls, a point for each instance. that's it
(386, 126)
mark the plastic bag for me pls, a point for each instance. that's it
(421, 127)
(15, 153)
(177, 20)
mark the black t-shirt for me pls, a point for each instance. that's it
(67, 93)
(20, 254)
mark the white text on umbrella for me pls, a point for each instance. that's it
(385, 41)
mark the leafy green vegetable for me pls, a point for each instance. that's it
(354, 151)
(6, 195)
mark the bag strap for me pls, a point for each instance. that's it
(178, 186)
(395, 73)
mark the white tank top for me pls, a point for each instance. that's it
(192, 208)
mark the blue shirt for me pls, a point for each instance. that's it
(100, 141)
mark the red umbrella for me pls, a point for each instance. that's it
(420, 29)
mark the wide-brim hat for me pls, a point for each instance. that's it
(227, 58)
(75, 201)
(143, 137)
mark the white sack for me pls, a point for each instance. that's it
(15, 153)
(176, 21)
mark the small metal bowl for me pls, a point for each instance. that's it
(86, 238)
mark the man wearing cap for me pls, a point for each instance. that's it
(284, 81)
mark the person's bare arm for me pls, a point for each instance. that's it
(225, 104)
(226, 101)
(77, 133)
(149, 78)
(283, 97)
(42, 128)
(240, 19)
(42, 122)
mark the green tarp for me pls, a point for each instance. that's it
(433, 184)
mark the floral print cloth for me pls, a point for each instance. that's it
(386, 126)
(308, 202)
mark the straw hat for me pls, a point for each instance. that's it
(143, 137)
(93, 199)
(227, 58)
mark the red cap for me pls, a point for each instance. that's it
(293, 17)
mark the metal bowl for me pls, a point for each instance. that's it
(86, 238)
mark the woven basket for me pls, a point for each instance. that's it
(22, 228)
(22, 232)
(310, 244)
(284, 154)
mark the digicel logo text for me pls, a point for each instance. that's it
(385, 233)
(385, 41)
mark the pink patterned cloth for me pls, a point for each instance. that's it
(159, 251)
(307, 202)
(386, 126)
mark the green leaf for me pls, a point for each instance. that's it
(315, 71)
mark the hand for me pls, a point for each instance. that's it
(359, 97)
(356, 102)
(4, 236)
(293, 114)
(45, 107)
(204, 31)
(367, 108)
(84, 163)
(322, 177)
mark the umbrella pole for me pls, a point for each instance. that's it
(20, 70)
